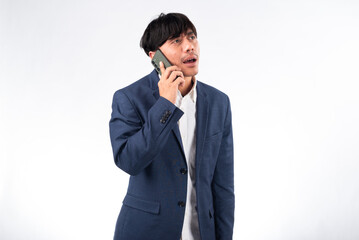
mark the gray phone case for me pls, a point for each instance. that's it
(160, 57)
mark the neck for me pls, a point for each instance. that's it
(187, 86)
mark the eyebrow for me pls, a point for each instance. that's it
(190, 32)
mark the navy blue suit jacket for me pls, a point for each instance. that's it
(147, 145)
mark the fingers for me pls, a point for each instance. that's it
(166, 72)
(179, 81)
(174, 75)
(162, 68)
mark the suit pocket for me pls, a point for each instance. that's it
(143, 205)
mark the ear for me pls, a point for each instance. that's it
(151, 54)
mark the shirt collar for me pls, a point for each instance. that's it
(192, 94)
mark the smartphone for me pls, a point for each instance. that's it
(160, 57)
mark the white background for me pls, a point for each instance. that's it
(289, 67)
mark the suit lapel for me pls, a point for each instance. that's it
(202, 108)
(179, 139)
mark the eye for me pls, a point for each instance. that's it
(193, 37)
(176, 41)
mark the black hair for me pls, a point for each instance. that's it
(166, 26)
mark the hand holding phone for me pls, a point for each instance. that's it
(171, 76)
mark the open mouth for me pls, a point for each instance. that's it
(190, 60)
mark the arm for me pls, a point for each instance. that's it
(223, 183)
(135, 144)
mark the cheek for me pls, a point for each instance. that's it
(176, 59)
(173, 57)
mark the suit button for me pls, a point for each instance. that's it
(183, 171)
(181, 204)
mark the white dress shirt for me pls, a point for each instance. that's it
(187, 127)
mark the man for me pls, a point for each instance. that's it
(173, 135)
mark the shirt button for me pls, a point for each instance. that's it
(183, 171)
(181, 204)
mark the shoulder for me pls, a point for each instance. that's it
(213, 93)
(139, 87)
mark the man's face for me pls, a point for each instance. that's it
(183, 52)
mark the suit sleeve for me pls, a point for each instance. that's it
(135, 143)
(223, 183)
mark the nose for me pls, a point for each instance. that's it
(188, 46)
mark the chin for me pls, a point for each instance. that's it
(190, 73)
